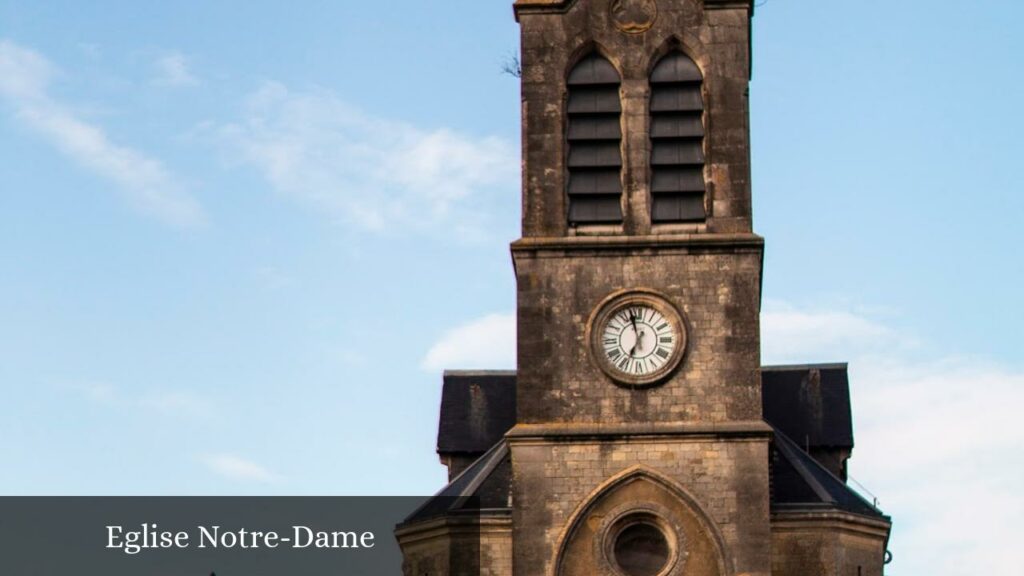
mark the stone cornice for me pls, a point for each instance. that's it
(800, 519)
(679, 242)
(498, 520)
(726, 4)
(542, 6)
(645, 431)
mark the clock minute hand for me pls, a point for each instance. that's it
(632, 320)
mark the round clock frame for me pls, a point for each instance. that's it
(611, 309)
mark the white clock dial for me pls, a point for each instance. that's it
(637, 337)
(638, 340)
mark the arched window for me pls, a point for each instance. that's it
(677, 141)
(594, 138)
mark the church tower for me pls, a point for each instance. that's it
(640, 435)
(639, 447)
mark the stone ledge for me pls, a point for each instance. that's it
(520, 6)
(624, 243)
(726, 4)
(823, 518)
(498, 520)
(643, 431)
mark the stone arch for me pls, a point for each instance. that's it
(676, 43)
(587, 49)
(696, 546)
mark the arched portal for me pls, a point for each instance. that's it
(641, 524)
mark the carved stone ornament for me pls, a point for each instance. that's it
(634, 16)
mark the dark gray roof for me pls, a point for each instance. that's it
(800, 482)
(809, 403)
(477, 408)
(483, 486)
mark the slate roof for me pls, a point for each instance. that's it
(477, 408)
(809, 403)
(484, 485)
(800, 482)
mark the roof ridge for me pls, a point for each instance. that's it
(818, 366)
(471, 372)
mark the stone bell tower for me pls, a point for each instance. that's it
(639, 435)
(639, 447)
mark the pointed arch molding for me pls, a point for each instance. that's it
(698, 548)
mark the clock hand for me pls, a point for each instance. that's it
(632, 320)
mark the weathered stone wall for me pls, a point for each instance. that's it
(496, 548)
(714, 33)
(726, 479)
(430, 555)
(827, 544)
(716, 287)
(458, 546)
(701, 429)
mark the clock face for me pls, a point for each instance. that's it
(638, 338)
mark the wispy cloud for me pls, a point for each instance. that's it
(370, 172)
(25, 78)
(167, 402)
(173, 70)
(487, 342)
(235, 467)
(790, 334)
(100, 392)
(274, 278)
(938, 438)
(178, 402)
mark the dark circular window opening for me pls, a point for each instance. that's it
(641, 549)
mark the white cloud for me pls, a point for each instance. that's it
(792, 335)
(179, 402)
(100, 392)
(167, 402)
(25, 78)
(487, 342)
(173, 70)
(273, 278)
(938, 439)
(235, 467)
(370, 172)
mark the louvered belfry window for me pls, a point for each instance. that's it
(594, 143)
(677, 141)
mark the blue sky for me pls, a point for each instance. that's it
(238, 243)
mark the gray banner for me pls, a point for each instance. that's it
(200, 536)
